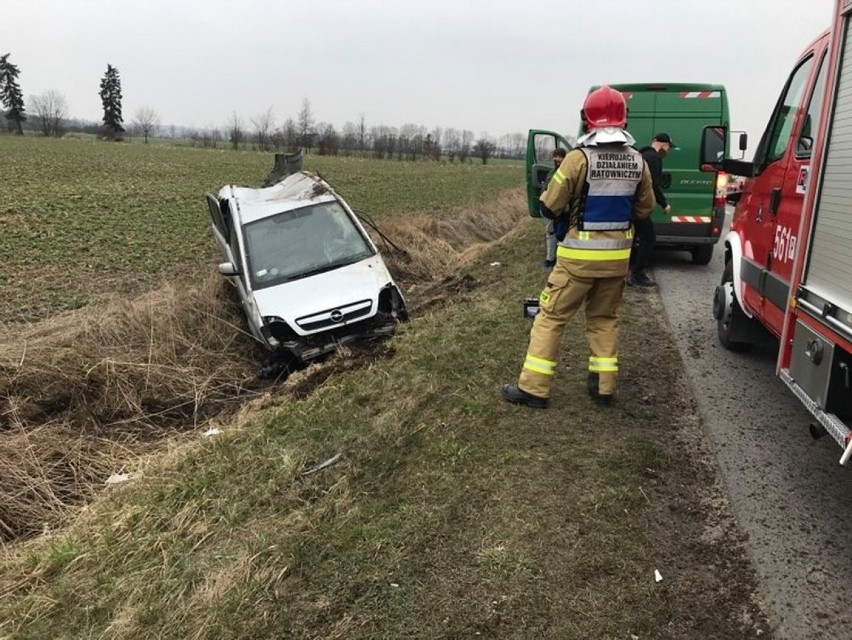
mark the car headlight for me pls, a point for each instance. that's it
(275, 328)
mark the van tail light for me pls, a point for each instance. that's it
(721, 189)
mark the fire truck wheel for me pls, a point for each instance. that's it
(731, 323)
(702, 254)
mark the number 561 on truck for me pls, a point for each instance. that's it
(788, 255)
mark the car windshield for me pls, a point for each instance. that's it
(299, 243)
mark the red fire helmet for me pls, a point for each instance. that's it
(604, 107)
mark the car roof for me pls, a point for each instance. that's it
(295, 191)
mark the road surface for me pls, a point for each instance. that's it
(788, 492)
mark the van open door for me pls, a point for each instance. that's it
(539, 165)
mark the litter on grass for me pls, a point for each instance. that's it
(118, 478)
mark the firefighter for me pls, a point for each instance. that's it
(601, 186)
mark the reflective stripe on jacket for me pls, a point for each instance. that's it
(586, 247)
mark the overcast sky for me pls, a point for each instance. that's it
(495, 66)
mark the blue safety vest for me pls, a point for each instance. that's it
(613, 173)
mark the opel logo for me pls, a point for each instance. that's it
(336, 315)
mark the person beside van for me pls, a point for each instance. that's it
(606, 186)
(552, 228)
(643, 241)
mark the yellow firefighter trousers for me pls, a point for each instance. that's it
(561, 299)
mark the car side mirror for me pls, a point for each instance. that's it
(228, 269)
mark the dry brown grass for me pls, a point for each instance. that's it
(435, 246)
(83, 393)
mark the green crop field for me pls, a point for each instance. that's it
(82, 217)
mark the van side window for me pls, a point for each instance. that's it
(810, 124)
(785, 113)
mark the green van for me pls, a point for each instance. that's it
(697, 198)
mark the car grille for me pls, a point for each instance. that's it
(333, 317)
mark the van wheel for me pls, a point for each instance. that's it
(702, 254)
(732, 325)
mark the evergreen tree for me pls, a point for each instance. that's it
(10, 93)
(111, 99)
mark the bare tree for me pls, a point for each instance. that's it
(208, 137)
(146, 122)
(236, 131)
(349, 138)
(305, 122)
(328, 140)
(378, 142)
(504, 143)
(263, 124)
(435, 146)
(50, 109)
(411, 140)
(385, 141)
(517, 141)
(362, 133)
(484, 148)
(466, 142)
(290, 134)
(452, 143)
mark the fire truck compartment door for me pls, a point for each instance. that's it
(830, 251)
(810, 364)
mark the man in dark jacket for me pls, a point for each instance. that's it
(643, 241)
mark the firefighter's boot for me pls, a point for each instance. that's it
(513, 394)
(592, 383)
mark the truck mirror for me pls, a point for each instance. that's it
(712, 147)
(743, 141)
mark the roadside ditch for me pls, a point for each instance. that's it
(83, 394)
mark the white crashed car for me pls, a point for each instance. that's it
(307, 273)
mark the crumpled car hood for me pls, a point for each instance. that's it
(325, 292)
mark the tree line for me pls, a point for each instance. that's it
(408, 142)
(50, 113)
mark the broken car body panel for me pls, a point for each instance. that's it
(308, 275)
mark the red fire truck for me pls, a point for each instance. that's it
(788, 255)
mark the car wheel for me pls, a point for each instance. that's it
(702, 254)
(278, 365)
(732, 324)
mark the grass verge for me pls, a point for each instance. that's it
(448, 513)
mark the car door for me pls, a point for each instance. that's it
(227, 237)
(220, 229)
(539, 163)
(774, 185)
